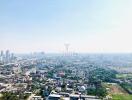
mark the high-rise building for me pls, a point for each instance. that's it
(7, 52)
(1, 56)
(12, 56)
(7, 55)
(1, 53)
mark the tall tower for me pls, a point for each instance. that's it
(67, 47)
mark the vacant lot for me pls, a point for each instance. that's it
(115, 89)
(117, 92)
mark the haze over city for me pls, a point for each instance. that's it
(65, 50)
(87, 25)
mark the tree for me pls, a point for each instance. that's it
(9, 96)
(101, 92)
(102, 74)
(91, 91)
(98, 91)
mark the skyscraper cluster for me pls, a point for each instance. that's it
(6, 56)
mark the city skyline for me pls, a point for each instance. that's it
(100, 26)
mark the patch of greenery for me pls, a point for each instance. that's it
(100, 91)
(127, 87)
(103, 75)
(122, 76)
(9, 96)
(121, 97)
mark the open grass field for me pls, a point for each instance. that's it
(121, 97)
(124, 76)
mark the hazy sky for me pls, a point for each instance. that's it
(45, 25)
